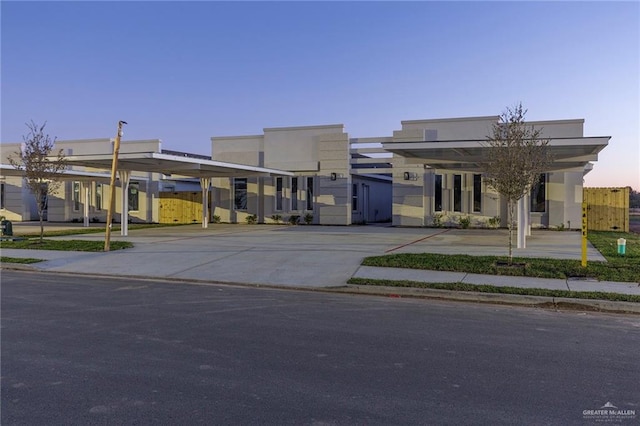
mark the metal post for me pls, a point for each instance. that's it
(584, 235)
(112, 187)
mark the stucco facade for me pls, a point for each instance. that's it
(424, 174)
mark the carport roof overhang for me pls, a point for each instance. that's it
(155, 162)
(468, 155)
(9, 170)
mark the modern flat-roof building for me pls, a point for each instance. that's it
(426, 172)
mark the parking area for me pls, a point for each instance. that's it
(300, 256)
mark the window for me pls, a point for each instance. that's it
(2, 199)
(279, 194)
(477, 193)
(75, 196)
(99, 189)
(240, 193)
(539, 195)
(134, 189)
(294, 193)
(438, 193)
(354, 197)
(310, 193)
(457, 193)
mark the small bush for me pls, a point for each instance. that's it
(276, 218)
(215, 219)
(494, 222)
(308, 218)
(252, 219)
(294, 219)
(437, 220)
(464, 221)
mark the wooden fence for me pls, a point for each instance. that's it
(607, 209)
(180, 207)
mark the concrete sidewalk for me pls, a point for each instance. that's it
(309, 256)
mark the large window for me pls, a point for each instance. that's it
(438, 193)
(310, 193)
(294, 193)
(279, 195)
(99, 191)
(539, 195)
(477, 193)
(457, 193)
(240, 193)
(354, 197)
(2, 199)
(134, 190)
(75, 196)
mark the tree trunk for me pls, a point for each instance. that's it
(41, 214)
(510, 222)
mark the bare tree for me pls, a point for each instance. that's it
(41, 172)
(517, 156)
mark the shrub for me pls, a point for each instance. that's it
(215, 219)
(276, 218)
(437, 220)
(252, 219)
(294, 219)
(494, 222)
(308, 218)
(464, 221)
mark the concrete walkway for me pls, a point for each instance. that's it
(308, 256)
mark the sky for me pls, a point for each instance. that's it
(183, 72)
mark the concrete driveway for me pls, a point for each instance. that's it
(301, 256)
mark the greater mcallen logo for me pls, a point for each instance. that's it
(608, 413)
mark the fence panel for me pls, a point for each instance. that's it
(607, 209)
(180, 207)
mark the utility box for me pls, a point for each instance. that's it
(7, 228)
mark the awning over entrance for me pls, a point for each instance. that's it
(467, 155)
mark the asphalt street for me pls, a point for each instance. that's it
(78, 350)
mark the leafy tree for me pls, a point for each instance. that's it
(516, 158)
(42, 173)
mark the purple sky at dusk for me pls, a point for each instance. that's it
(185, 71)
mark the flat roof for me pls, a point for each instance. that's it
(155, 162)
(468, 155)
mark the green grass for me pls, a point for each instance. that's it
(504, 290)
(93, 230)
(23, 260)
(617, 268)
(64, 245)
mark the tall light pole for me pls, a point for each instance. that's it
(112, 186)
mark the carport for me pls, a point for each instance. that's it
(468, 155)
(173, 165)
(85, 179)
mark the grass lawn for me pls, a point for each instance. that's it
(92, 230)
(23, 260)
(64, 245)
(497, 289)
(617, 268)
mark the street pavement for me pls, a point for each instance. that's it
(79, 350)
(309, 256)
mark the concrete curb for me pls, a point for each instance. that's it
(557, 303)
(498, 298)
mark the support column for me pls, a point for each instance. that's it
(205, 183)
(85, 187)
(521, 224)
(125, 177)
